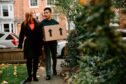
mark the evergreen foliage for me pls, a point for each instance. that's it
(96, 47)
(119, 3)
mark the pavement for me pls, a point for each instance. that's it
(54, 79)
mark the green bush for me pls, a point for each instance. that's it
(101, 54)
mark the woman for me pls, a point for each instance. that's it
(32, 45)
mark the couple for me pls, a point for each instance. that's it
(31, 35)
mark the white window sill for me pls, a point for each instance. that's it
(34, 6)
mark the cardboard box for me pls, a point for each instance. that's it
(54, 32)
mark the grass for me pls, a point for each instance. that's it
(8, 73)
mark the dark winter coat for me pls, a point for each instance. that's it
(32, 39)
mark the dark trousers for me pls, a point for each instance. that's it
(50, 51)
(32, 61)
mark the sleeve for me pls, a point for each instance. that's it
(56, 22)
(21, 36)
(41, 34)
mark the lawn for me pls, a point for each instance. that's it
(12, 73)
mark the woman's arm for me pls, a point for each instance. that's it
(21, 36)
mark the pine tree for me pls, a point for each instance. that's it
(99, 47)
(119, 3)
(71, 9)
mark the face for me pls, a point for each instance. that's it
(47, 14)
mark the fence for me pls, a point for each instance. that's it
(11, 56)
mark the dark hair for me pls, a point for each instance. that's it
(47, 8)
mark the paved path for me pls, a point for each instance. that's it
(55, 79)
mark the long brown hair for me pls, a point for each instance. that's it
(28, 18)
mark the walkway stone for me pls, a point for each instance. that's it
(54, 80)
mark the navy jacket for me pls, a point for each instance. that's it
(47, 23)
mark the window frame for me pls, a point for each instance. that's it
(33, 6)
(1, 35)
(3, 10)
(9, 37)
(0, 10)
(10, 9)
(50, 5)
(6, 30)
(11, 29)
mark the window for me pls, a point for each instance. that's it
(33, 3)
(9, 37)
(12, 28)
(5, 11)
(51, 2)
(10, 8)
(0, 11)
(15, 36)
(1, 35)
(6, 27)
(0, 27)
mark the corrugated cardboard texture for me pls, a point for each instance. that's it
(54, 32)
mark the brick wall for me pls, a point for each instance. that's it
(21, 7)
(18, 10)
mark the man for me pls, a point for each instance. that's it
(50, 47)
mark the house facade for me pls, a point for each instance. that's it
(12, 12)
(7, 16)
(23, 6)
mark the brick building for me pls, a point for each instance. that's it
(12, 13)
(36, 6)
(23, 6)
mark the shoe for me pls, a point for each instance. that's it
(29, 79)
(48, 77)
(35, 78)
(54, 72)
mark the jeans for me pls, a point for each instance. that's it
(50, 51)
